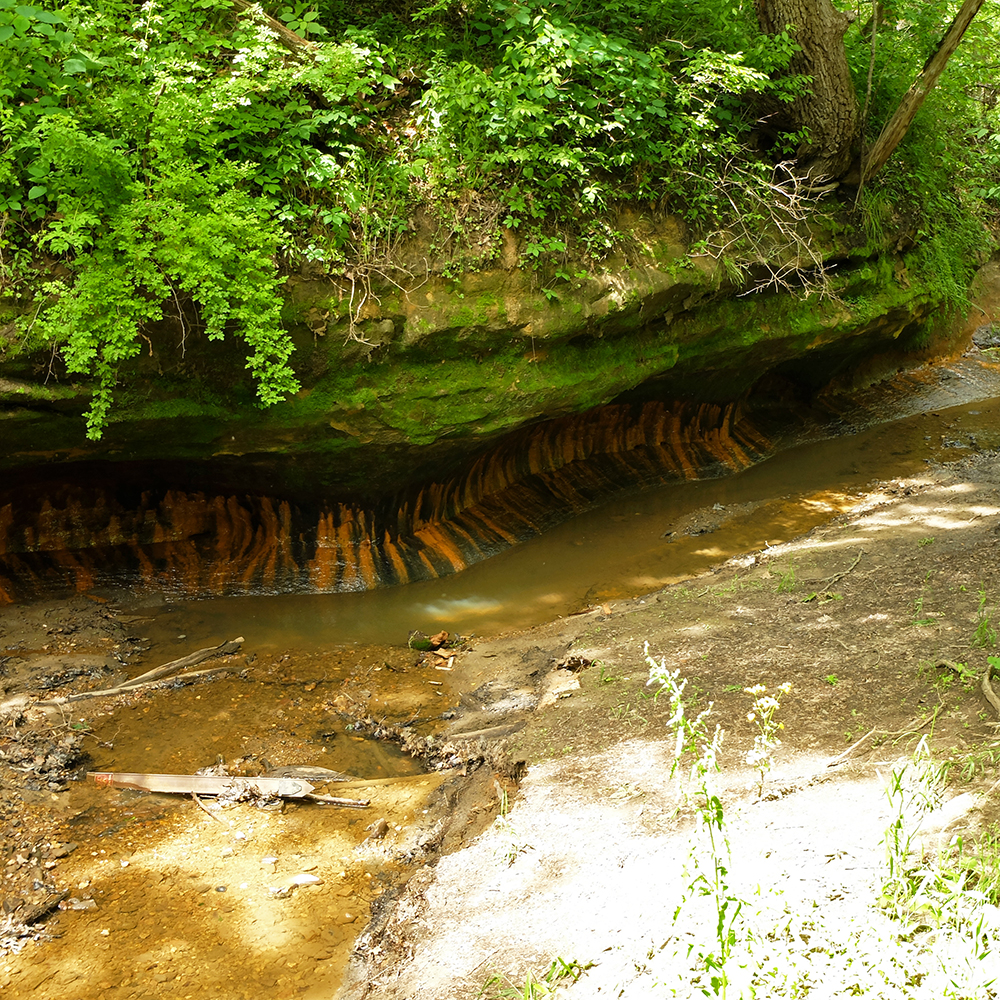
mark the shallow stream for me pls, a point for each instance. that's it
(630, 546)
(186, 905)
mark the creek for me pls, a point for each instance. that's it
(217, 923)
(635, 544)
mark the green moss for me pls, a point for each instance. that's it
(482, 355)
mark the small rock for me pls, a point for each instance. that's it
(285, 886)
(78, 904)
(559, 684)
(377, 830)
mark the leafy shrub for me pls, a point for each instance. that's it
(171, 159)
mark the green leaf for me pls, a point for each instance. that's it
(48, 16)
(36, 192)
(72, 66)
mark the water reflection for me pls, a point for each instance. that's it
(633, 545)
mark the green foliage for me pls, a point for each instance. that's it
(762, 714)
(945, 175)
(786, 579)
(562, 110)
(534, 987)
(170, 165)
(985, 633)
(172, 161)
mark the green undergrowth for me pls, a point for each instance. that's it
(172, 161)
(929, 928)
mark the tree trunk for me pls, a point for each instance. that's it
(900, 122)
(828, 108)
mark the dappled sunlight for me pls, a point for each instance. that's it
(223, 894)
(248, 900)
(447, 610)
(828, 503)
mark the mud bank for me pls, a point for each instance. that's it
(589, 864)
(585, 857)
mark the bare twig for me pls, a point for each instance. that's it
(830, 580)
(844, 754)
(912, 731)
(233, 646)
(152, 677)
(126, 688)
(208, 812)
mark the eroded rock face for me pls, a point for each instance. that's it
(439, 422)
(402, 383)
(195, 543)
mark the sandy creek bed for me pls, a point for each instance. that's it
(587, 862)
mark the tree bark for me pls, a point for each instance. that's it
(900, 122)
(828, 108)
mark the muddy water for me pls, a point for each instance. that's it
(178, 899)
(181, 903)
(631, 546)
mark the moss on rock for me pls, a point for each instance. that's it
(396, 379)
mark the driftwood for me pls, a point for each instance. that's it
(153, 677)
(220, 784)
(199, 656)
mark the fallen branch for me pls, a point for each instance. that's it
(220, 784)
(199, 656)
(295, 44)
(157, 677)
(844, 754)
(830, 580)
(883, 734)
(201, 805)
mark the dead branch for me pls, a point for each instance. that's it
(899, 124)
(883, 734)
(125, 688)
(156, 677)
(201, 805)
(233, 646)
(830, 580)
(295, 44)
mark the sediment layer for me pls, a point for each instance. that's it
(195, 544)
